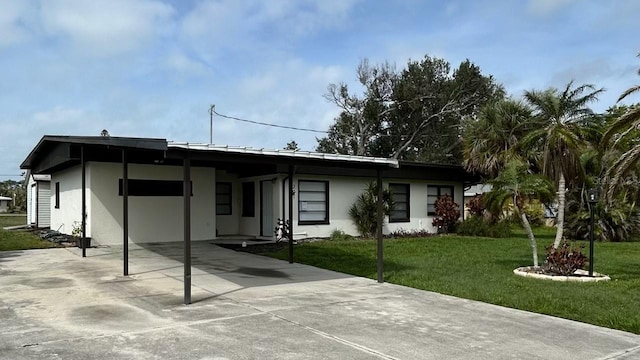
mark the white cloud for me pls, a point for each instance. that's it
(106, 27)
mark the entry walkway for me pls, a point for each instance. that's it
(55, 304)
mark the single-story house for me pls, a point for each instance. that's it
(38, 200)
(120, 190)
(4, 203)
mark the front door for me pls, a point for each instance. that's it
(266, 208)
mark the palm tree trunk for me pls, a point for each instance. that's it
(532, 239)
(560, 218)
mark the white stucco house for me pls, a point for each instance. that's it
(119, 190)
(4, 203)
(38, 200)
(236, 191)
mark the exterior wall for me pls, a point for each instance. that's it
(151, 218)
(31, 203)
(70, 210)
(4, 206)
(236, 224)
(44, 204)
(343, 192)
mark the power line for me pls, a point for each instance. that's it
(268, 124)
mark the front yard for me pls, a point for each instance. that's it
(19, 239)
(482, 269)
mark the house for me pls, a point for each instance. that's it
(120, 190)
(4, 203)
(38, 200)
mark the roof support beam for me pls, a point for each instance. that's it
(379, 227)
(291, 193)
(125, 212)
(186, 195)
(83, 240)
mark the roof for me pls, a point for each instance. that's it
(120, 142)
(282, 153)
(5, 198)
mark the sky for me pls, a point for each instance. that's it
(153, 68)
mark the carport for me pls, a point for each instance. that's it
(56, 153)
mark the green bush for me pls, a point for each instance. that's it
(338, 235)
(364, 212)
(478, 226)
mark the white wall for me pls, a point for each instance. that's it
(31, 208)
(151, 218)
(343, 192)
(4, 206)
(70, 210)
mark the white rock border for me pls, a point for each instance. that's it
(584, 275)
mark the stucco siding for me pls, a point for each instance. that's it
(151, 218)
(343, 192)
(70, 210)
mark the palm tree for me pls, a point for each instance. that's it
(621, 129)
(561, 115)
(490, 141)
(516, 184)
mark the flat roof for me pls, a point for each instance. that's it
(5, 198)
(296, 154)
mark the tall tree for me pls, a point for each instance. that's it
(624, 129)
(292, 145)
(411, 115)
(362, 116)
(491, 140)
(517, 185)
(561, 115)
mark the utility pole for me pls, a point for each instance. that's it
(211, 111)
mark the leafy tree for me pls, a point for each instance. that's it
(18, 192)
(292, 145)
(517, 185)
(561, 115)
(414, 114)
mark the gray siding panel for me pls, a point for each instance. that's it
(44, 204)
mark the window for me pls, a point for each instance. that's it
(400, 196)
(433, 193)
(223, 198)
(142, 187)
(248, 199)
(313, 202)
(57, 196)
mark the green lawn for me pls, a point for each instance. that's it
(482, 269)
(19, 239)
(12, 220)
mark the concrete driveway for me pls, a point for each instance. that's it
(56, 305)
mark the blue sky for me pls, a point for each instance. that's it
(151, 68)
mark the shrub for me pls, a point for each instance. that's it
(414, 233)
(338, 235)
(447, 214)
(564, 260)
(535, 212)
(476, 206)
(478, 226)
(619, 221)
(364, 211)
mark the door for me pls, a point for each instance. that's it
(266, 208)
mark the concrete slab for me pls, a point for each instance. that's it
(55, 304)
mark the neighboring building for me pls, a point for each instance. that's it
(235, 191)
(39, 200)
(472, 191)
(4, 203)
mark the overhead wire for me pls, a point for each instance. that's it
(269, 124)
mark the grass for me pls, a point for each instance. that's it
(482, 269)
(19, 239)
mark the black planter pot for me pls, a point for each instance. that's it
(87, 242)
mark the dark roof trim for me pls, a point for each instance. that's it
(119, 142)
